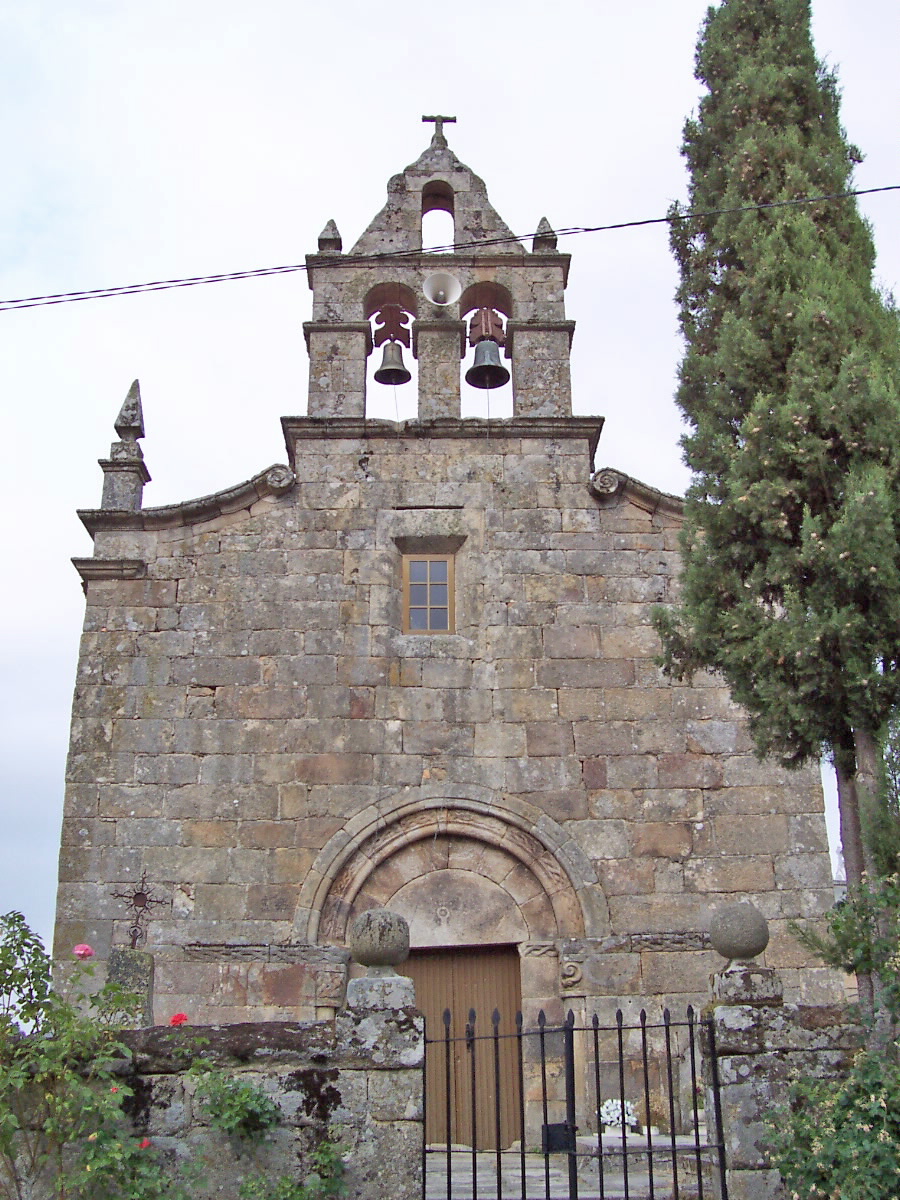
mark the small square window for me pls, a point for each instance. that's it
(428, 593)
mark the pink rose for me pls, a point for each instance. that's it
(178, 1019)
(83, 950)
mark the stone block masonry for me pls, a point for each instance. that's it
(253, 728)
(281, 727)
(763, 1046)
(356, 1080)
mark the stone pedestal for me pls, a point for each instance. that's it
(382, 988)
(124, 476)
(133, 970)
(379, 940)
(747, 983)
(761, 1045)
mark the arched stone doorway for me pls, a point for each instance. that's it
(455, 889)
(489, 889)
(466, 870)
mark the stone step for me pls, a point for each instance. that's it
(536, 1183)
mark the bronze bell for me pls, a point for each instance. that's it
(392, 369)
(487, 371)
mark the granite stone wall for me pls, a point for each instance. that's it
(252, 729)
(355, 1080)
(764, 1045)
(254, 732)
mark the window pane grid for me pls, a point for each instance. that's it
(428, 593)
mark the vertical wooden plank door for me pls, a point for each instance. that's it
(483, 979)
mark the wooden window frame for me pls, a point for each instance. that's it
(429, 557)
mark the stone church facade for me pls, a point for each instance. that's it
(414, 667)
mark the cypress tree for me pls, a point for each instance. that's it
(790, 385)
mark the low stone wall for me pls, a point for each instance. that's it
(763, 1045)
(356, 1079)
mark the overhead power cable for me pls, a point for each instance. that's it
(343, 260)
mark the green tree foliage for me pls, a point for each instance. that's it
(881, 812)
(790, 386)
(862, 937)
(64, 1128)
(842, 1138)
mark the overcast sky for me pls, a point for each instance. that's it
(184, 137)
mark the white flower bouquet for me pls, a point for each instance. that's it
(611, 1113)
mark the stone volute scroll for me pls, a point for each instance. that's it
(280, 479)
(379, 941)
(607, 483)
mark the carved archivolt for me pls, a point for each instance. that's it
(383, 851)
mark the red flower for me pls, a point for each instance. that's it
(83, 950)
(178, 1019)
(145, 1143)
(113, 1089)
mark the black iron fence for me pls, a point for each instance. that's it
(558, 1112)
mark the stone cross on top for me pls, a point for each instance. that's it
(439, 126)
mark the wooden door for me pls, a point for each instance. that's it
(483, 979)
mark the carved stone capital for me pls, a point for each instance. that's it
(514, 327)
(454, 328)
(361, 327)
(571, 976)
(109, 568)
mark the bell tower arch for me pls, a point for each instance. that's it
(528, 325)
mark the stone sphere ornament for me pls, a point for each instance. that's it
(739, 931)
(379, 938)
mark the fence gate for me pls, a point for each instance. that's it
(620, 1112)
